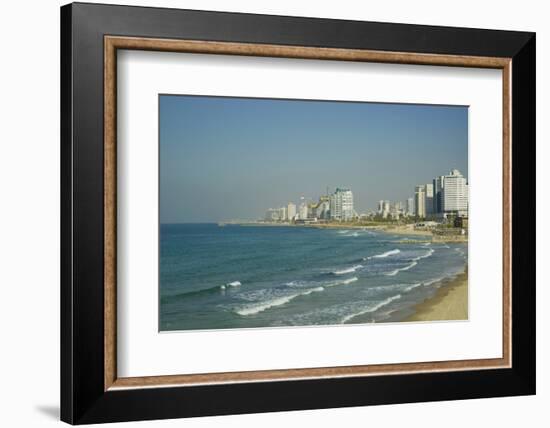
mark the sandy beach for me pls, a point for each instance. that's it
(401, 229)
(449, 303)
(407, 229)
(394, 229)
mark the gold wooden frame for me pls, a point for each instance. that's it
(113, 43)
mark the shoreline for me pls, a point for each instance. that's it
(450, 302)
(400, 229)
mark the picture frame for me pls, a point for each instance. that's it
(91, 390)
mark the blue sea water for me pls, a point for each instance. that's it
(214, 277)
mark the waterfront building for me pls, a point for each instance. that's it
(429, 202)
(420, 201)
(341, 205)
(302, 211)
(386, 208)
(410, 206)
(291, 211)
(311, 210)
(282, 214)
(438, 183)
(455, 193)
(398, 207)
(272, 214)
(276, 214)
(322, 208)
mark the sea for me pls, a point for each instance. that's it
(238, 276)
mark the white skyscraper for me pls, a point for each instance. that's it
(438, 183)
(272, 214)
(420, 201)
(455, 193)
(341, 205)
(291, 211)
(282, 214)
(429, 203)
(302, 211)
(410, 206)
(398, 207)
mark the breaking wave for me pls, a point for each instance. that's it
(343, 282)
(372, 308)
(278, 301)
(283, 300)
(384, 255)
(231, 284)
(396, 271)
(423, 256)
(347, 270)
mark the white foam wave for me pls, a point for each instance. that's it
(399, 287)
(386, 254)
(371, 308)
(230, 284)
(423, 256)
(343, 231)
(433, 281)
(396, 271)
(347, 270)
(412, 286)
(279, 301)
(341, 282)
(348, 281)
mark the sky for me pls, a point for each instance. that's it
(224, 158)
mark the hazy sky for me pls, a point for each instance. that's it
(232, 158)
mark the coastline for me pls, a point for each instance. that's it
(450, 302)
(404, 229)
(395, 229)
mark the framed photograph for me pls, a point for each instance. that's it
(266, 213)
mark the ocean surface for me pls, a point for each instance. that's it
(214, 277)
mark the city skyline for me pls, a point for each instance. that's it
(224, 158)
(445, 194)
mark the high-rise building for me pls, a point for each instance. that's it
(410, 206)
(291, 211)
(322, 208)
(302, 211)
(276, 214)
(455, 193)
(420, 201)
(398, 207)
(273, 214)
(282, 214)
(438, 183)
(429, 203)
(341, 205)
(384, 208)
